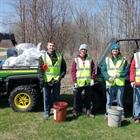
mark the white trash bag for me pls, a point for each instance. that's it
(28, 55)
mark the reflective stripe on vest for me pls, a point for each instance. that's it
(52, 71)
(112, 70)
(83, 71)
(137, 66)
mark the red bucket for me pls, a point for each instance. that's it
(60, 111)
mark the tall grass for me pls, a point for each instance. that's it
(31, 126)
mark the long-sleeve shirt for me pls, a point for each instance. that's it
(73, 69)
(122, 74)
(53, 58)
(132, 72)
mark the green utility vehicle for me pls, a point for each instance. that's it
(19, 84)
(128, 48)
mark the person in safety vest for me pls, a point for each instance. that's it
(114, 70)
(52, 68)
(135, 83)
(83, 74)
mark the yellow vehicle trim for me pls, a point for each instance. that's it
(19, 71)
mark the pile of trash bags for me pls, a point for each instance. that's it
(27, 55)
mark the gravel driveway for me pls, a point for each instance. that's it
(2, 53)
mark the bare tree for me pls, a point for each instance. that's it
(71, 23)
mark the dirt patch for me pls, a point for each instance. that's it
(2, 53)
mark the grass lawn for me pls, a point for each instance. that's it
(31, 126)
(2, 50)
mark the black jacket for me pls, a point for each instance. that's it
(53, 57)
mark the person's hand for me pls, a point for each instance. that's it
(57, 81)
(76, 85)
(133, 84)
(51, 83)
(92, 83)
(111, 79)
(117, 75)
(59, 78)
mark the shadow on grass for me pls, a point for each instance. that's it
(128, 108)
(125, 123)
(63, 98)
(4, 102)
(128, 113)
(40, 105)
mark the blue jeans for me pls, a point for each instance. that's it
(55, 89)
(137, 102)
(113, 92)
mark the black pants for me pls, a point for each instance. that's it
(78, 102)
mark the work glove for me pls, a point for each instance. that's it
(133, 84)
(51, 83)
(76, 85)
(92, 83)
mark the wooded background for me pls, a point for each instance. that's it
(74, 22)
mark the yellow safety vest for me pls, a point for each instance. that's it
(83, 73)
(137, 66)
(52, 71)
(113, 69)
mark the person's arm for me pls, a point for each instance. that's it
(104, 71)
(73, 72)
(40, 69)
(132, 71)
(125, 70)
(63, 68)
(93, 70)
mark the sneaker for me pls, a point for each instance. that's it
(106, 118)
(89, 114)
(75, 113)
(136, 120)
(46, 115)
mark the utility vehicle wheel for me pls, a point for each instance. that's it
(23, 99)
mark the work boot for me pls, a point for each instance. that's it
(136, 120)
(105, 118)
(46, 115)
(89, 114)
(75, 113)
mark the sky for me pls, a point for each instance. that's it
(5, 8)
